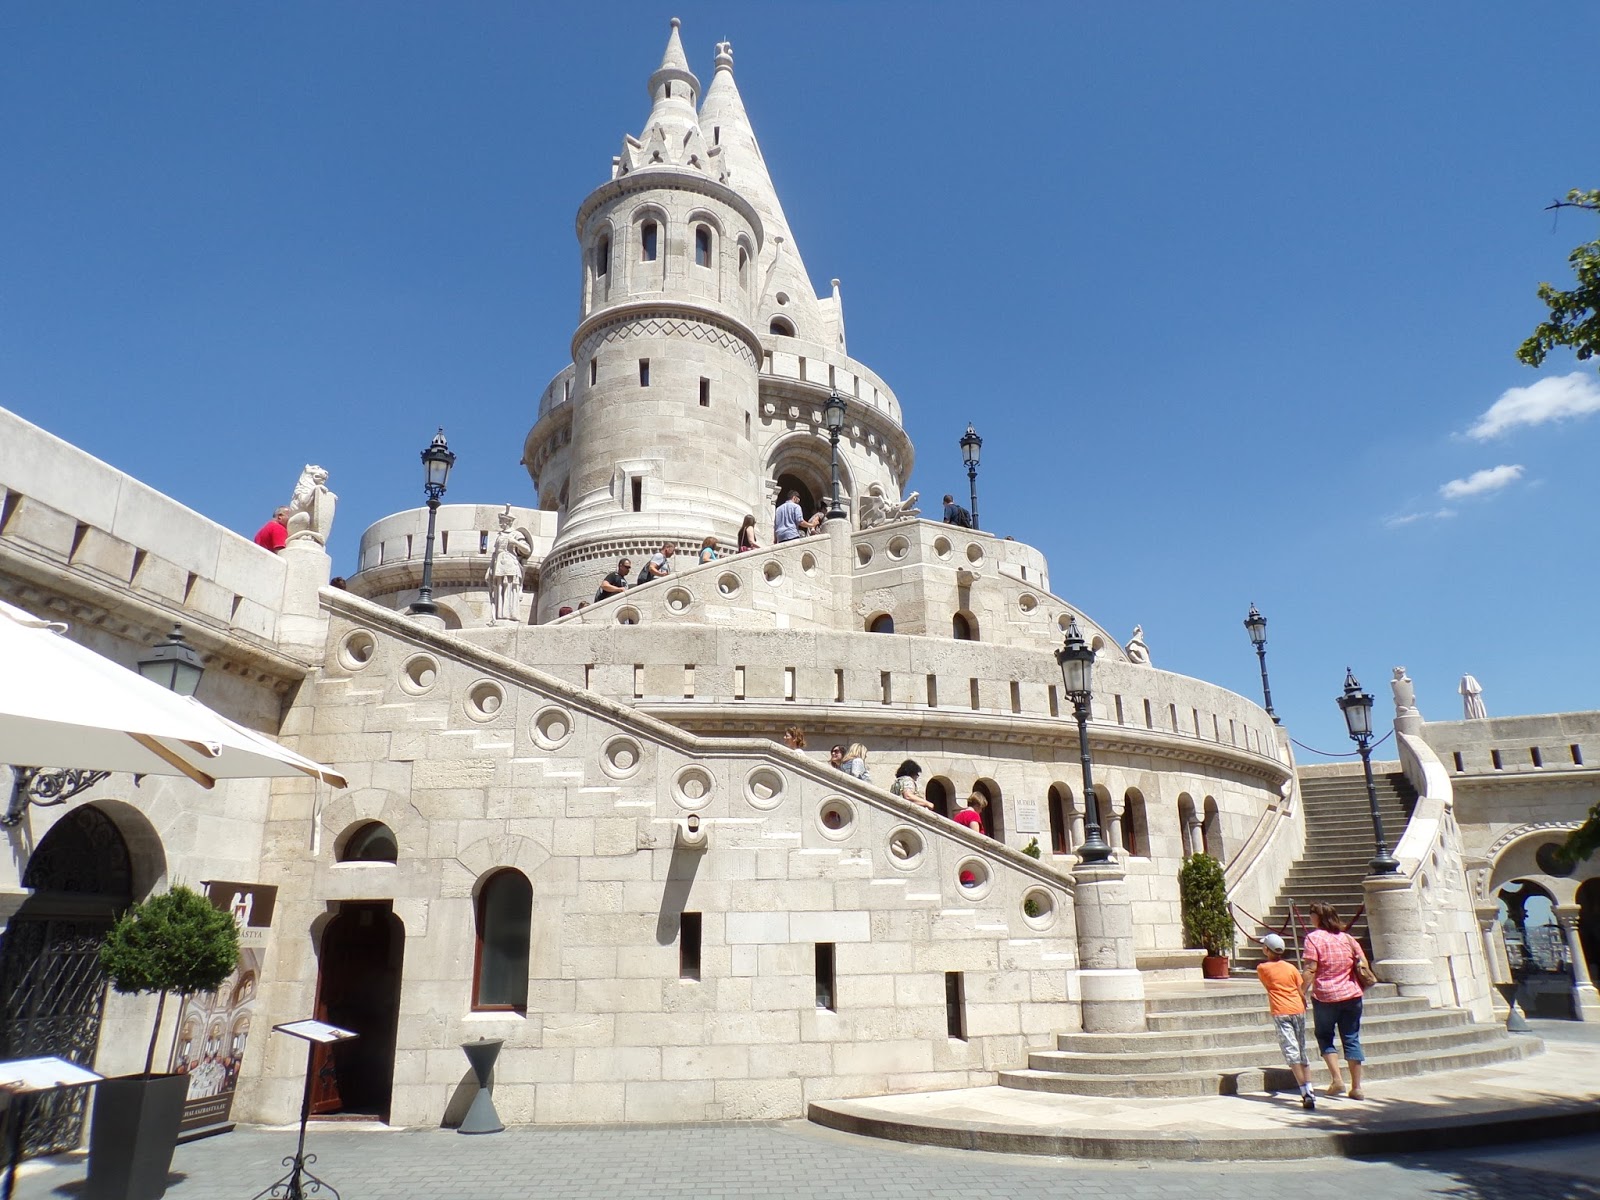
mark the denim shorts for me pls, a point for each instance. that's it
(1344, 1016)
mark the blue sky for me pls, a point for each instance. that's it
(1230, 291)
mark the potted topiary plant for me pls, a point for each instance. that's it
(1207, 919)
(177, 942)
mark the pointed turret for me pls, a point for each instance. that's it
(671, 136)
(781, 271)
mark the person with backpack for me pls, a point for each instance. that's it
(955, 514)
(659, 564)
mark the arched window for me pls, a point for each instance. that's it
(938, 794)
(504, 927)
(1135, 829)
(702, 245)
(1060, 820)
(1211, 830)
(882, 623)
(994, 820)
(1188, 824)
(602, 257)
(781, 327)
(964, 627)
(647, 241)
(744, 267)
(372, 842)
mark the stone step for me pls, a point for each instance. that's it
(1258, 1031)
(1239, 1018)
(1108, 1085)
(1488, 1053)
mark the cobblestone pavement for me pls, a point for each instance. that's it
(801, 1161)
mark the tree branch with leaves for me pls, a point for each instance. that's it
(1574, 314)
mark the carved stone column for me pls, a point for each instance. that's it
(1111, 988)
(1196, 835)
(1585, 998)
(1402, 948)
(1494, 952)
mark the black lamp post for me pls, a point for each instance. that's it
(437, 460)
(1357, 708)
(174, 664)
(1256, 624)
(971, 445)
(833, 414)
(1077, 674)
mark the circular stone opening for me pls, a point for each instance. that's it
(420, 673)
(1063, 621)
(941, 547)
(1027, 602)
(1545, 857)
(772, 573)
(484, 699)
(898, 548)
(782, 297)
(1038, 908)
(836, 818)
(906, 847)
(808, 563)
(627, 615)
(863, 554)
(975, 878)
(357, 649)
(728, 584)
(764, 787)
(692, 787)
(552, 727)
(620, 757)
(679, 600)
(974, 553)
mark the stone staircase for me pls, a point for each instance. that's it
(1215, 1039)
(1338, 848)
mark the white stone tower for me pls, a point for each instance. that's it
(655, 440)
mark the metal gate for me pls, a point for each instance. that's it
(52, 991)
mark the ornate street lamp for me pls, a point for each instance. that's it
(833, 415)
(1077, 675)
(174, 664)
(1256, 624)
(1357, 708)
(437, 460)
(971, 445)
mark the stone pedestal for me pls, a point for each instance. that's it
(1108, 975)
(1585, 998)
(1402, 947)
(302, 625)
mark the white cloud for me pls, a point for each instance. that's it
(1555, 398)
(1490, 479)
(1402, 519)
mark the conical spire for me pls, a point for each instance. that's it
(727, 129)
(671, 134)
(674, 65)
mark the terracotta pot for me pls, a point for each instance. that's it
(1214, 966)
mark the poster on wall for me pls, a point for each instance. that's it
(214, 1027)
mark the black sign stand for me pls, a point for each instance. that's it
(300, 1182)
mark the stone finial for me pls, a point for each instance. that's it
(725, 56)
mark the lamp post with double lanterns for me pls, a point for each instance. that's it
(437, 460)
(833, 415)
(1357, 708)
(1076, 659)
(971, 447)
(1256, 624)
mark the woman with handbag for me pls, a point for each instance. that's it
(1336, 974)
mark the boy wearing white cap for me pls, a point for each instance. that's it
(1286, 998)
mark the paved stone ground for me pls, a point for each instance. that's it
(800, 1161)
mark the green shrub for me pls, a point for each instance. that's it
(1207, 920)
(177, 942)
(1032, 848)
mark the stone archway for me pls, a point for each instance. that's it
(1537, 948)
(802, 461)
(358, 988)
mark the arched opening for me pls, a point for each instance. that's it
(702, 245)
(1135, 829)
(882, 623)
(1211, 831)
(1188, 824)
(502, 935)
(781, 327)
(52, 991)
(994, 819)
(649, 233)
(358, 988)
(790, 482)
(371, 841)
(939, 793)
(1060, 810)
(744, 267)
(964, 627)
(1536, 946)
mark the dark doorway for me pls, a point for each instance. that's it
(994, 819)
(358, 988)
(51, 987)
(938, 793)
(808, 498)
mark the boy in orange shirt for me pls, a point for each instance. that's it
(1286, 998)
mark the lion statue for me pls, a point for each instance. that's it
(311, 507)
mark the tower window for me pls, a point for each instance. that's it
(705, 393)
(825, 975)
(716, 135)
(744, 267)
(781, 327)
(702, 246)
(638, 494)
(602, 257)
(644, 372)
(689, 927)
(594, 369)
(647, 240)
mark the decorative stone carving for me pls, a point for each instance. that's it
(509, 550)
(1472, 708)
(1137, 651)
(1405, 696)
(877, 508)
(311, 507)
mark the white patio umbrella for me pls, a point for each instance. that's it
(1472, 708)
(63, 705)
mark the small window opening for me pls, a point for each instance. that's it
(483, 541)
(1118, 700)
(689, 945)
(1055, 702)
(961, 628)
(594, 369)
(825, 976)
(886, 684)
(1058, 822)
(738, 683)
(1459, 765)
(705, 393)
(972, 692)
(644, 372)
(1494, 757)
(1537, 756)
(955, 1005)
(1149, 720)
(647, 240)
(788, 683)
(744, 267)
(716, 135)
(933, 691)
(602, 257)
(638, 681)
(688, 681)
(882, 623)
(702, 246)
(1577, 755)
(1016, 696)
(838, 685)
(781, 327)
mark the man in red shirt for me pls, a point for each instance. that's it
(274, 535)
